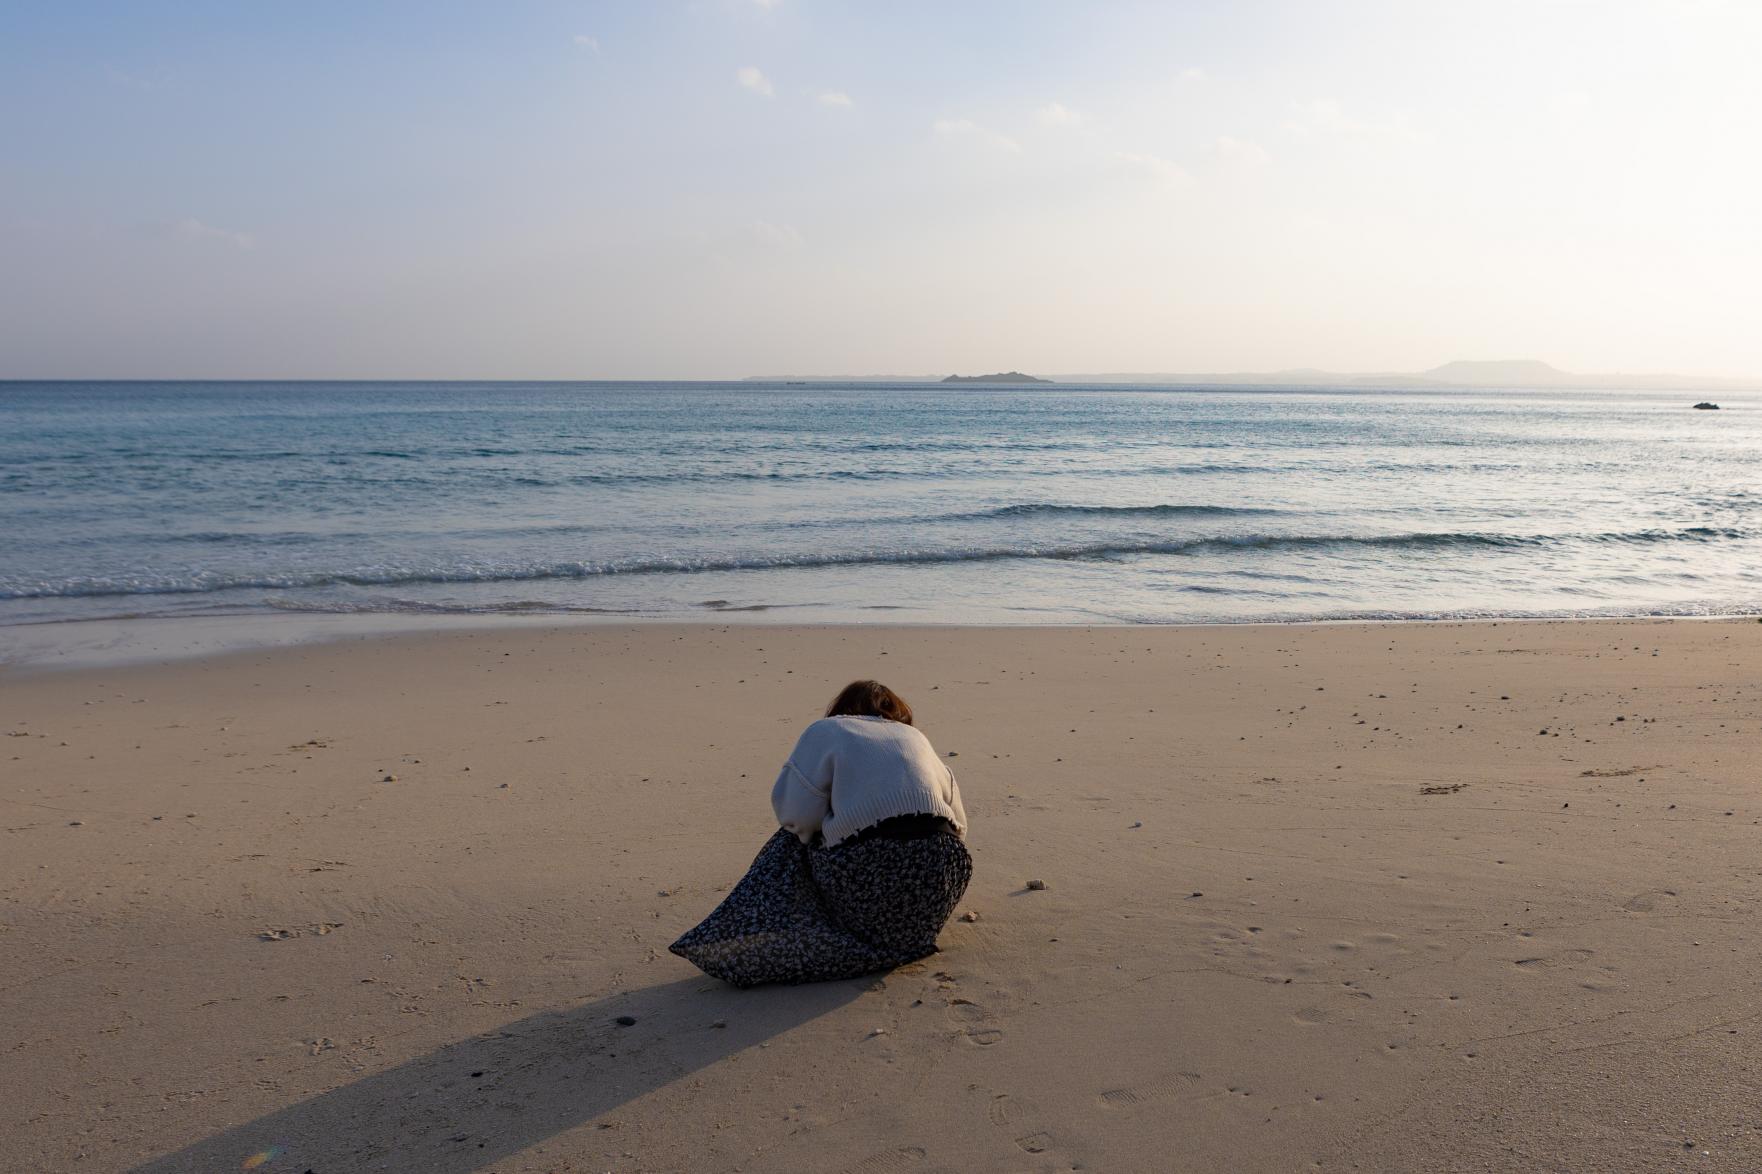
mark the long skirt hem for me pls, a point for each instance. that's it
(815, 914)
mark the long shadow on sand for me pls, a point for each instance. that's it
(476, 1101)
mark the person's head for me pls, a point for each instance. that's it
(870, 699)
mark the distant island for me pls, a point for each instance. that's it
(1512, 374)
(1001, 377)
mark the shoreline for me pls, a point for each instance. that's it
(75, 644)
(1324, 893)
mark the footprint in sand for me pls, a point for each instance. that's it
(1013, 1112)
(1005, 1109)
(908, 1157)
(1649, 901)
(1161, 1089)
(1563, 958)
(975, 1022)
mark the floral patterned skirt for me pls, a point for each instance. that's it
(810, 914)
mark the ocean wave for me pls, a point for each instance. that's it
(1055, 510)
(559, 529)
(511, 572)
(424, 607)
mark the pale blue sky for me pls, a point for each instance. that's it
(714, 189)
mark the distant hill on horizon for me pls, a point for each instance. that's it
(999, 377)
(1516, 374)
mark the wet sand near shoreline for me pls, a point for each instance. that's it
(1429, 897)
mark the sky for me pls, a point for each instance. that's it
(683, 189)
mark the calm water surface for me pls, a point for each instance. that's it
(840, 502)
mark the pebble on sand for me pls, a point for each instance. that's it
(969, 916)
(1036, 885)
(625, 1021)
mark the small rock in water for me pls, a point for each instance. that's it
(1036, 885)
(625, 1021)
(969, 916)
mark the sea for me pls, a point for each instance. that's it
(873, 503)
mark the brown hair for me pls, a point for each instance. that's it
(870, 699)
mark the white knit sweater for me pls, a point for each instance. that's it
(850, 773)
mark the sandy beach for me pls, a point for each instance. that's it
(1366, 897)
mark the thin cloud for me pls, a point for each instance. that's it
(1192, 74)
(1240, 151)
(782, 237)
(1326, 118)
(751, 78)
(191, 229)
(1058, 114)
(592, 44)
(1165, 172)
(833, 98)
(965, 129)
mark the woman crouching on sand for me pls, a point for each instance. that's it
(867, 865)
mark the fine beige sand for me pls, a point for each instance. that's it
(1397, 898)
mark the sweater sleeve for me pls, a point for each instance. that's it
(802, 802)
